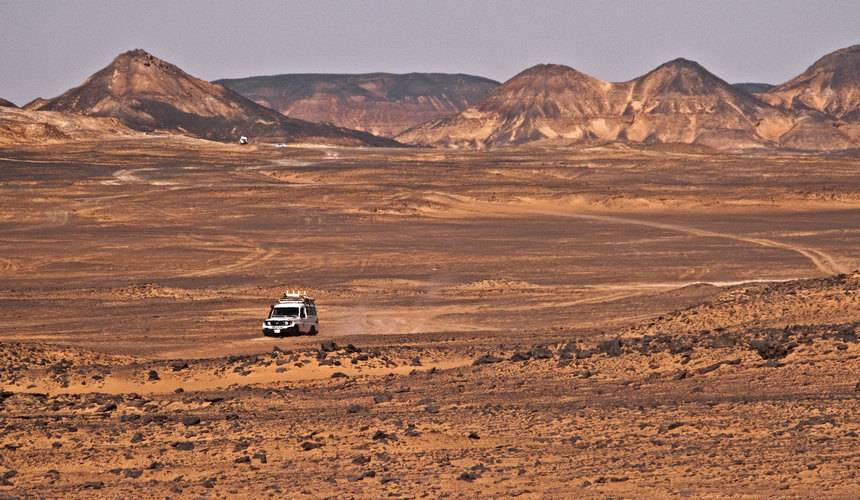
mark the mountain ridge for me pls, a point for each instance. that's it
(380, 103)
(679, 101)
(148, 94)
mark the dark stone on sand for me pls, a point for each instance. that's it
(339, 375)
(329, 346)
(610, 347)
(153, 375)
(107, 407)
(769, 349)
(183, 445)
(241, 445)
(133, 473)
(244, 459)
(857, 387)
(681, 375)
(379, 435)
(541, 353)
(520, 356)
(356, 409)
(468, 476)
(179, 366)
(710, 368)
(358, 477)
(487, 359)
(416, 361)
(382, 398)
(474, 435)
(138, 437)
(310, 445)
(261, 457)
(583, 354)
(189, 421)
(93, 485)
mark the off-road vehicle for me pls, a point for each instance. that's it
(295, 313)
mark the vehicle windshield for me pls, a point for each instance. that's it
(285, 312)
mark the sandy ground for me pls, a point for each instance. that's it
(596, 321)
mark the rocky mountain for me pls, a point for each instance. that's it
(678, 102)
(831, 85)
(380, 103)
(151, 95)
(6, 104)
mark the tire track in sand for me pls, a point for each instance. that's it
(822, 260)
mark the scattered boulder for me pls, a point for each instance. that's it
(585, 354)
(329, 346)
(108, 407)
(469, 476)
(310, 445)
(179, 366)
(710, 368)
(541, 352)
(153, 375)
(356, 409)
(133, 473)
(358, 477)
(189, 421)
(520, 356)
(610, 347)
(339, 375)
(770, 349)
(183, 445)
(487, 359)
(382, 398)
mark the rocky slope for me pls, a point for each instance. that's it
(18, 126)
(6, 104)
(151, 95)
(678, 102)
(831, 85)
(380, 103)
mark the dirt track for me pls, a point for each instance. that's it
(152, 251)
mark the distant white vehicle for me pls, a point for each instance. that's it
(280, 145)
(294, 314)
(243, 140)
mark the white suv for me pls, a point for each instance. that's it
(295, 313)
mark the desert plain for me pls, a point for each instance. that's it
(598, 320)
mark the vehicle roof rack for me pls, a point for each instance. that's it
(296, 296)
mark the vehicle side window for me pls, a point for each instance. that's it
(304, 313)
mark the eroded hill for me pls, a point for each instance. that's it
(380, 103)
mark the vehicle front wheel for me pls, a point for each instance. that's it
(313, 331)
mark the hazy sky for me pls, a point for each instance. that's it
(47, 47)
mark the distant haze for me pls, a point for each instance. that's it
(51, 46)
